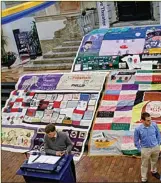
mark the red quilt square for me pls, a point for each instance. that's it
(15, 92)
(102, 126)
(19, 100)
(31, 112)
(56, 104)
(11, 104)
(110, 97)
(43, 104)
(23, 104)
(32, 94)
(77, 123)
(15, 110)
(156, 78)
(78, 111)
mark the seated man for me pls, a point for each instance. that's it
(57, 143)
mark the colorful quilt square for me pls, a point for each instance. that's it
(120, 126)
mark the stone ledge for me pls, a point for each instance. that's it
(59, 54)
(40, 67)
(65, 48)
(53, 60)
(71, 43)
(56, 17)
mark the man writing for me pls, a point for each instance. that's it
(57, 143)
(147, 139)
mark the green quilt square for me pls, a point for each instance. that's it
(120, 126)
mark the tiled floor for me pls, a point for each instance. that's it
(88, 169)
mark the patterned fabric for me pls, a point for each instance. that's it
(37, 101)
(120, 48)
(126, 96)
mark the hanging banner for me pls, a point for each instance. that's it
(103, 14)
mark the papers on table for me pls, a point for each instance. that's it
(32, 158)
(43, 159)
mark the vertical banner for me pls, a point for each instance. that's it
(103, 14)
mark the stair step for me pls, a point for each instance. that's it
(8, 85)
(4, 99)
(65, 49)
(78, 38)
(43, 61)
(6, 91)
(39, 67)
(71, 43)
(52, 54)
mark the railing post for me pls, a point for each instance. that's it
(86, 22)
(92, 18)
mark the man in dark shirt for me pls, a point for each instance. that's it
(58, 143)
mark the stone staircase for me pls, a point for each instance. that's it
(60, 58)
(6, 88)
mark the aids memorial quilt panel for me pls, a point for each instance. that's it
(135, 48)
(127, 94)
(17, 138)
(66, 82)
(67, 100)
(63, 109)
(38, 82)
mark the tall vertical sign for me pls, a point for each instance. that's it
(103, 14)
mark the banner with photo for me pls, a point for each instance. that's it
(67, 100)
(127, 94)
(62, 81)
(135, 48)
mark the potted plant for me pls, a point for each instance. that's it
(7, 58)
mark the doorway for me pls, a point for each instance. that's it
(132, 11)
